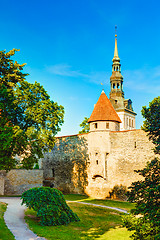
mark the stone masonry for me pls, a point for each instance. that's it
(16, 181)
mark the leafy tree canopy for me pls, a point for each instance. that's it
(145, 220)
(84, 125)
(29, 120)
(151, 124)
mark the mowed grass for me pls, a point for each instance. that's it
(95, 223)
(5, 234)
(111, 203)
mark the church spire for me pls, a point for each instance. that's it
(116, 48)
(116, 80)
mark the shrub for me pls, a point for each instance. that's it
(119, 192)
(36, 166)
(50, 206)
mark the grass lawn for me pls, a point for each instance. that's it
(5, 234)
(96, 223)
(111, 203)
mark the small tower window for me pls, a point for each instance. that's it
(53, 173)
(116, 101)
(96, 125)
(135, 145)
(118, 85)
(127, 121)
(117, 68)
(96, 154)
(114, 69)
(114, 86)
(97, 162)
(107, 125)
(132, 124)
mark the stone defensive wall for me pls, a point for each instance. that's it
(17, 181)
(130, 150)
(114, 163)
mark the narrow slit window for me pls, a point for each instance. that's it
(107, 125)
(96, 125)
(97, 162)
(127, 121)
(53, 173)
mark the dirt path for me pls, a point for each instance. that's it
(102, 206)
(14, 219)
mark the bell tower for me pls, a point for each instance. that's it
(122, 106)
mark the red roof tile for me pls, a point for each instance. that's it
(104, 111)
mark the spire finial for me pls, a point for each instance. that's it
(115, 30)
(116, 49)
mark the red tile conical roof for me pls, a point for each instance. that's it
(104, 111)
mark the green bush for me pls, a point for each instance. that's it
(119, 192)
(50, 206)
(36, 166)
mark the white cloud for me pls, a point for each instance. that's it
(66, 71)
(99, 78)
(145, 79)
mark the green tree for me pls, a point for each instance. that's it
(29, 119)
(145, 217)
(151, 124)
(84, 125)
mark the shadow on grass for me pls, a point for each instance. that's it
(94, 223)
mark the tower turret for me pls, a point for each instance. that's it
(104, 116)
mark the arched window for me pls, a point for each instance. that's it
(97, 176)
(96, 125)
(117, 68)
(132, 123)
(114, 85)
(118, 87)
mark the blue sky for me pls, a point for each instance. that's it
(69, 45)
